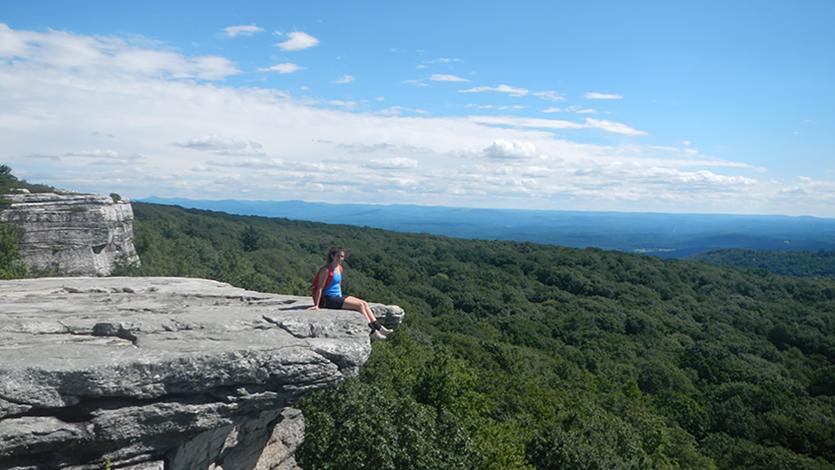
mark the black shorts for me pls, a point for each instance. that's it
(334, 302)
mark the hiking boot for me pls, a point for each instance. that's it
(385, 331)
(376, 335)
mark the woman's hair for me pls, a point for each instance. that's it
(333, 252)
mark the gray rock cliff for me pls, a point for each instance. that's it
(173, 373)
(72, 234)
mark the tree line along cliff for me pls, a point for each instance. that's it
(517, 355)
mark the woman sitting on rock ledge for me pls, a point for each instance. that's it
(327, 293)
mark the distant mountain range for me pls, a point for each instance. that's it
(663, 235)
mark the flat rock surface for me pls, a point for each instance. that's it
(126, 367)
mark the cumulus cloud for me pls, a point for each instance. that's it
(285, 67)
(440, 77)
(222, 145)
(110, 56)
(344, 79)
(510, 149)
(242, 30)
(593, 95)
(12, 43)
(497, 161)
(297, 41)
(814, 189)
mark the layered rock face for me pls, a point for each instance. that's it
(74, 235)
(153, 373)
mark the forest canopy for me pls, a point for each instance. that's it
(517, 355)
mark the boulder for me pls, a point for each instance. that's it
(72, 234)
(163, 372)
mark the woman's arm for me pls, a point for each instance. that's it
(323, 278)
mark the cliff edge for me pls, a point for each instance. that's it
(153, 373)
(72, 234)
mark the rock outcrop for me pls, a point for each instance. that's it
(153, 373)
(72, 234)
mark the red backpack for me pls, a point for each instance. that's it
(314, 284)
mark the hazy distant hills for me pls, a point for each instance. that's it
(664, 235)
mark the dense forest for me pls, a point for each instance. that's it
(523, 356)
(788, 263)
(518, 355)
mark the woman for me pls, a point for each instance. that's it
(327, 293)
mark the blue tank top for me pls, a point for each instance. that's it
(334, 289)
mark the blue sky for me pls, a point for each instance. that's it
(669, 106)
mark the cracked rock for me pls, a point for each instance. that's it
(73, 234)
(140, 371)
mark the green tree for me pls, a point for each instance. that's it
(11, 263)
(250, 238)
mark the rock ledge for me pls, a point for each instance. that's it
(141, 371)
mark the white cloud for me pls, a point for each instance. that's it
(499, 107)
(11, 43)
(223, 145)
(510, 149)
(551, 110)
(396, 163)
(285, 67)
(608, 126)
(614, 127)
(103, 154)
(242, 30)
(256, 162)
(343, 103)
(96, 154)
(439, 77)
(108, 56)
(344, 79)
(442, 61)
(298, 41)
(399, 110)
(68, 91)
(513, 121)
(548, 95)
(512, 91)
(419, 83)
(515, 91)
(593, 95)
(812, 189)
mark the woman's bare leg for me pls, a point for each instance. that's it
(353, 303)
